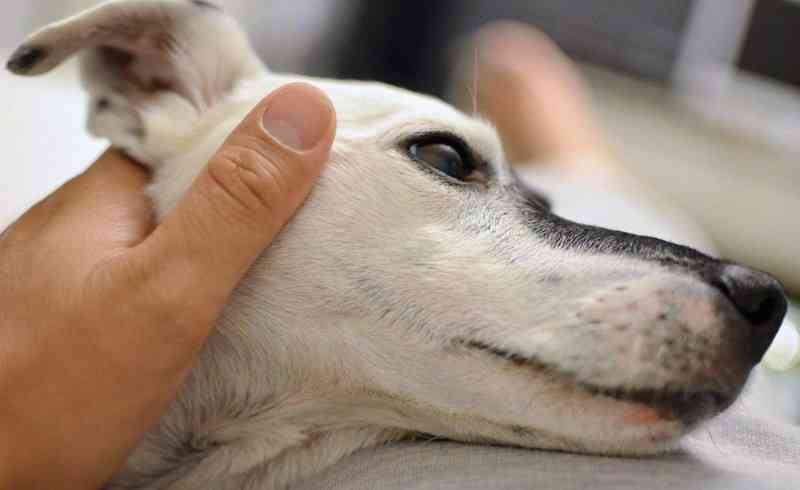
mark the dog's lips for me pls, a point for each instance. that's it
(688, 406)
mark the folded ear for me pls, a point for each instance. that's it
(153, 68)
(189, 47)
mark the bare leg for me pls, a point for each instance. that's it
(525, 85)
(528, 88)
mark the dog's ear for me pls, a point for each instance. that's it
(139, 47)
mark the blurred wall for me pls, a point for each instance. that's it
(20, 17)
(299, 33)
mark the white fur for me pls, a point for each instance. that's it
(349, 331)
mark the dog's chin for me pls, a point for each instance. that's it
(654, 418)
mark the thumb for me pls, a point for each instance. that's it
(241, 200)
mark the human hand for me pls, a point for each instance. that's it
(102, 313)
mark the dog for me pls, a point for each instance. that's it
(421, 290)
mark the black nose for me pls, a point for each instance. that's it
(760, 299)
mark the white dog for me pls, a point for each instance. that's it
(421, 289)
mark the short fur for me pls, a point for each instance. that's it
(396, 303)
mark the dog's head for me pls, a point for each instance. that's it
(429, 274)
(422, 277)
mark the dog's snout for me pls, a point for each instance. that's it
(759, 299)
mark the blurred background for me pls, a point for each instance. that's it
(700, 97)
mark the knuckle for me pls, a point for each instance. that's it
(253, 176)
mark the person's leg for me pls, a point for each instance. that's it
(520, 81)
(527, 87)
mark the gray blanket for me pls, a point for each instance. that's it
(741, 450)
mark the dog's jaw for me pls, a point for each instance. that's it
(272, 450)
(295, 432)
(246, 417)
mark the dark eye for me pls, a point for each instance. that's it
(447, 159)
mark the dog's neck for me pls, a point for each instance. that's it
(251, 412)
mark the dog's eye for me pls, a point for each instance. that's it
(447, 159)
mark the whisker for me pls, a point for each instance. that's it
(475, 80)
(713, 441)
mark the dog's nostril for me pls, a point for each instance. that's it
(760, 299)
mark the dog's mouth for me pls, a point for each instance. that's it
(686, 405)
(689, 407)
